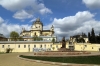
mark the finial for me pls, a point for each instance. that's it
(38, 19)
(52, 26)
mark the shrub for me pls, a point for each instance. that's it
(8, 50)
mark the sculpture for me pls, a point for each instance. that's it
(63, 43)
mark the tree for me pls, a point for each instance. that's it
(98, 38)
(35, 38)
(76, 40)
(53, 40)
(93, 38)
(89, 37)
(14, 36)
(81, 40)
(21, 39)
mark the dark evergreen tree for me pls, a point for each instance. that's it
(98, 39)
(89, 37)
(93, 38)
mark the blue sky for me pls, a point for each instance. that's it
(69, 17)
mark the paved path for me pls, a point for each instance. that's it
(11, 59)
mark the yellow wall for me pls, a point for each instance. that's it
(87, 47)
(46, 33)
(37, 33)
(49, 45)
(15, 47)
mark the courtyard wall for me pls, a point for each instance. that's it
(34, 46)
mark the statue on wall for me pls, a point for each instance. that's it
(63, 43)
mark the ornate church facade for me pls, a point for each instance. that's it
(37, 30)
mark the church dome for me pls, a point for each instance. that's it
(38, 21)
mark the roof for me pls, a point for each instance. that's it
(26, 31)
(1, 35)
(77, 36)
(46, 31)
(39, 36)
(37, 22)
(25, 42)
(48, 36)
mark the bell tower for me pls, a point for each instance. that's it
(52, 30)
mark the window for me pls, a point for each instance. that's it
(85, 45)
(40, 46)
(92, 47)
(51, 45)
(2, 46)
(34, 46)
(18, 46)
(45, 46)
(24, 46)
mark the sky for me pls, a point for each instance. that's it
(69, 17)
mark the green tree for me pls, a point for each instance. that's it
(53, 40)
(21, 39)
(14, 36)
(35, 38)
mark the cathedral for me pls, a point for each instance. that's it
(37, 30)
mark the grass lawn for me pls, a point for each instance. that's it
(79, 59)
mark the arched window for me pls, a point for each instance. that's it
(24, 46)
(56, 46)
(34, 46)
(45, 46)
(51, 46)
(40, 46)
(18, 46)
(8, 46)
(2, 46)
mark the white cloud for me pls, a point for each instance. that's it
(33, 19)
(67, 26)
(14, 5)
(94, 4)
(6, 28)
(44, 10)
(76, 24)
(1, 20)
(29, 6)
(22, 15)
